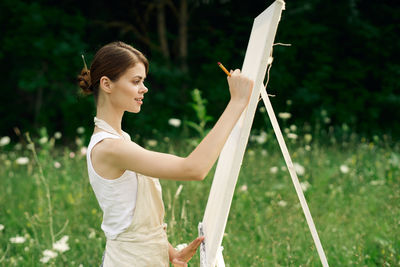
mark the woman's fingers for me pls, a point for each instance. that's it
(234, 72)
(187, 253)
(196, 243)
(240, 86)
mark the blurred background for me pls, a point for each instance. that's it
(341, 72)
(337, 99)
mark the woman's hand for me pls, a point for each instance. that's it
(180, 259)
(240, 87)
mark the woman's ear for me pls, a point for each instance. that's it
(106, 84)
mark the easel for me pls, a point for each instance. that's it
(216, 214)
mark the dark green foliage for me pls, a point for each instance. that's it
(343, 59)
(341, 56)
(39, 50)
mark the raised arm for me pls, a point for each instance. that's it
(130, 156)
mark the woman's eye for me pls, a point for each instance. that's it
(136, 82)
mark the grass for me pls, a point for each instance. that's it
(357, 213)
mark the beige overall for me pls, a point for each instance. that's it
(144, 243)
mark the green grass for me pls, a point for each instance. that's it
(357, 214)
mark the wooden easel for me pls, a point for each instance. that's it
(228, 167)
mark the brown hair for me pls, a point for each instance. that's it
(112, 60)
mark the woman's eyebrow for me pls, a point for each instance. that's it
(139, 76)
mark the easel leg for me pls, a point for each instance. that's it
(293, 175)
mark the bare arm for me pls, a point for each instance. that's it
(128, 155)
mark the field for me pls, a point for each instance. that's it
(49, 215)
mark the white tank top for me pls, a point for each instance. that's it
(116, 197)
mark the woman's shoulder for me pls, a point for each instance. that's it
(113, 149)
(105, 157)
(108, 145)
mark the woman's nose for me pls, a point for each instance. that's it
(144, 89)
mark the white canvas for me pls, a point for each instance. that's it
(228, 167)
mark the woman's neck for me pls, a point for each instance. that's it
(112, 117)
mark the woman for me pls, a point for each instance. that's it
(120, 171)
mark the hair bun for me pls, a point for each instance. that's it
(84, 81)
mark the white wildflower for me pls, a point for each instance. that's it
(286, 130)
(174, 122)
(57, 164)
(17, 239)
(92, 234)
(57, 135)
(152, 143)
(44, 259)
(80, 130)
(264, 152)
(1, 227)
(305, 185)
(48, 255)
(5, 140)
(273, 169)
(289, 102)
(181, 246)
(71, 155)
(282, 203)
(344, 169)
(22, 160)
(243, 188)
(292, 136)
(43, 140)
(284, 115)
(262, 138)
(308, 138)
(307, 148)
(293, 128)
(250, 152)
(83, 151)
(299, 169)
(324, 113)
(262, 109)
(327, 120)
(62, 244)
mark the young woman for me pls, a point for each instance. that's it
(120, 171)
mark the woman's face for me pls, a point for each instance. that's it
(128, 91)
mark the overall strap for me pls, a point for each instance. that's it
(106, 127)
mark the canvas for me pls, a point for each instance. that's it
(228, 167)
